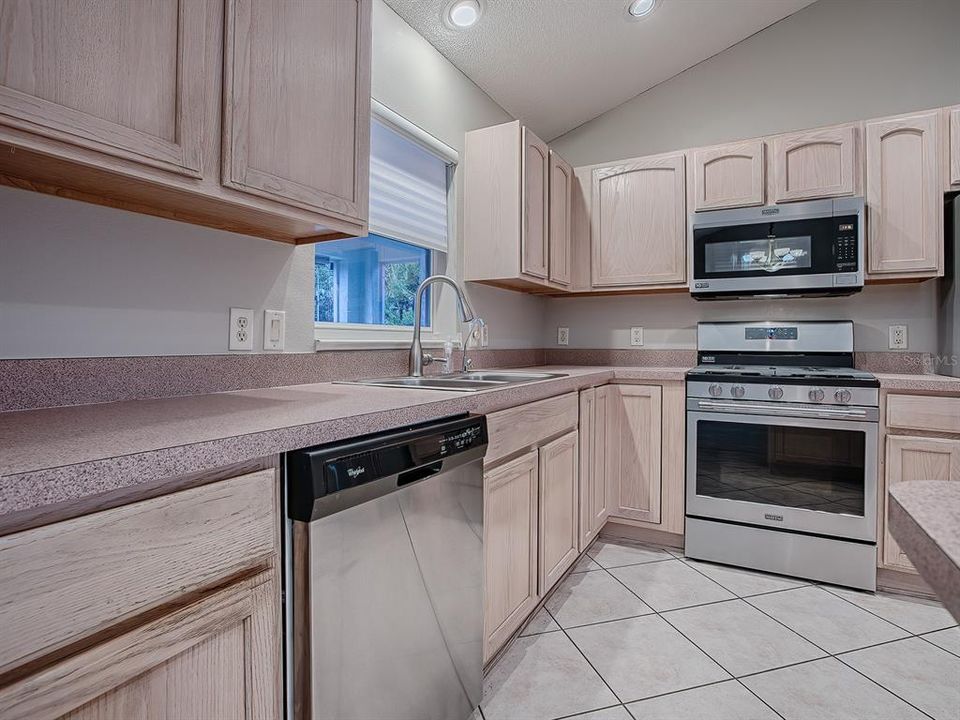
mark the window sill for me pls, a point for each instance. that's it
(326, 338)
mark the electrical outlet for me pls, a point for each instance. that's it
(563, 336)
(274, 329)
(898, 337)
(484, 336)
(636, 336)
(241, 329)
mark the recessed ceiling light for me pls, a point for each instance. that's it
(463, 13)
(641, 8)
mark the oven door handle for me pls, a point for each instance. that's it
(784, 410)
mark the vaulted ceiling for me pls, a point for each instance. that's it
(556, 64)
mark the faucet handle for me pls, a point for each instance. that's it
(467, 363)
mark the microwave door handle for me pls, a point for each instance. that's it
(748, 409)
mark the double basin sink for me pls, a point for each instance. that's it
(462, 382)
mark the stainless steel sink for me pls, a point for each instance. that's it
(460, 382)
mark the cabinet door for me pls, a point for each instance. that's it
(534, 241)
(122, 78)
(559, 496)
(639, 222)
(296, 118)
(561, 201)
(217, 658)
(953, 121)
(917, 458)
(904, 196)
(509, 548)
(728, 176)
(815, 164)
(593, 441)
(633, 469)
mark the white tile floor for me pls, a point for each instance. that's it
(641, 633)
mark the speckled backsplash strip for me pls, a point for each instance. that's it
(29, 384)
(909, 363)
(621, 357)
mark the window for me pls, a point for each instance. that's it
(367, 285)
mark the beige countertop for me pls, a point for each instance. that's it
(52, 457)
(925, 521)
(919, 383)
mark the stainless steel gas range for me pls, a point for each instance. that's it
(782, 451)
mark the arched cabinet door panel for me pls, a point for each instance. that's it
(816, 164)
(728, 176)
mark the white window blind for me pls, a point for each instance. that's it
(408, 190)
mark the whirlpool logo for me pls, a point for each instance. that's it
(355, 472)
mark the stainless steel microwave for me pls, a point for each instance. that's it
(806, 248)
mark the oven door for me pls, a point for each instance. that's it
(803, 468)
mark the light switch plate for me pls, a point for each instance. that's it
(241, 329)
(636, 336)
(563, 336)
(274, 329)
(898, 337)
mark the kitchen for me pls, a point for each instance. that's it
(235, 481)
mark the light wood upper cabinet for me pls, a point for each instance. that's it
(296, 102)
(561, 206)
(559, 505)
(517, 210)
(593, 443)
(639, 222)
(534, 241)
(816, 164)
(953, 160)
(218, 658)
(510, 508)
(729, 176)
(633, 447)
(125, 79)
(904, 196)
(917, 458)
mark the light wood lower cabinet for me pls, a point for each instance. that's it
(510, 508)
(593, 479)
(911, 458)
(633, 447)
(215, 658)
(559, 496)
(164, 608)
(904, 196)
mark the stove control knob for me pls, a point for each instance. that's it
(715, 390)
(737, 391)
(842, 395)
(815, 394)
(775, 393)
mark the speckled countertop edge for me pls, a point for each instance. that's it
(35, 485)
(919, 383)
(925, 521)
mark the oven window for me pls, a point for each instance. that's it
(796, 467)
(761, 255)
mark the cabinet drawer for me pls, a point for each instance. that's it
(527, 425)
(924, 412)
(73, 579)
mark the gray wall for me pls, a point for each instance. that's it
(834, 61)
(81, 280)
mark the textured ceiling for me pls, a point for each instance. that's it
(555, 64)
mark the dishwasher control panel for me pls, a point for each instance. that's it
(394, 458)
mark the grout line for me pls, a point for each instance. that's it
(480, 710)
(599, 675)
(924, 637)
(587, 712)
(867, 610)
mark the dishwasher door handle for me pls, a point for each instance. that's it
(420, 473)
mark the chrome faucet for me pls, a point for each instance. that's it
(417, 357)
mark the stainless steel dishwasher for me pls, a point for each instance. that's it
(384, 575)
